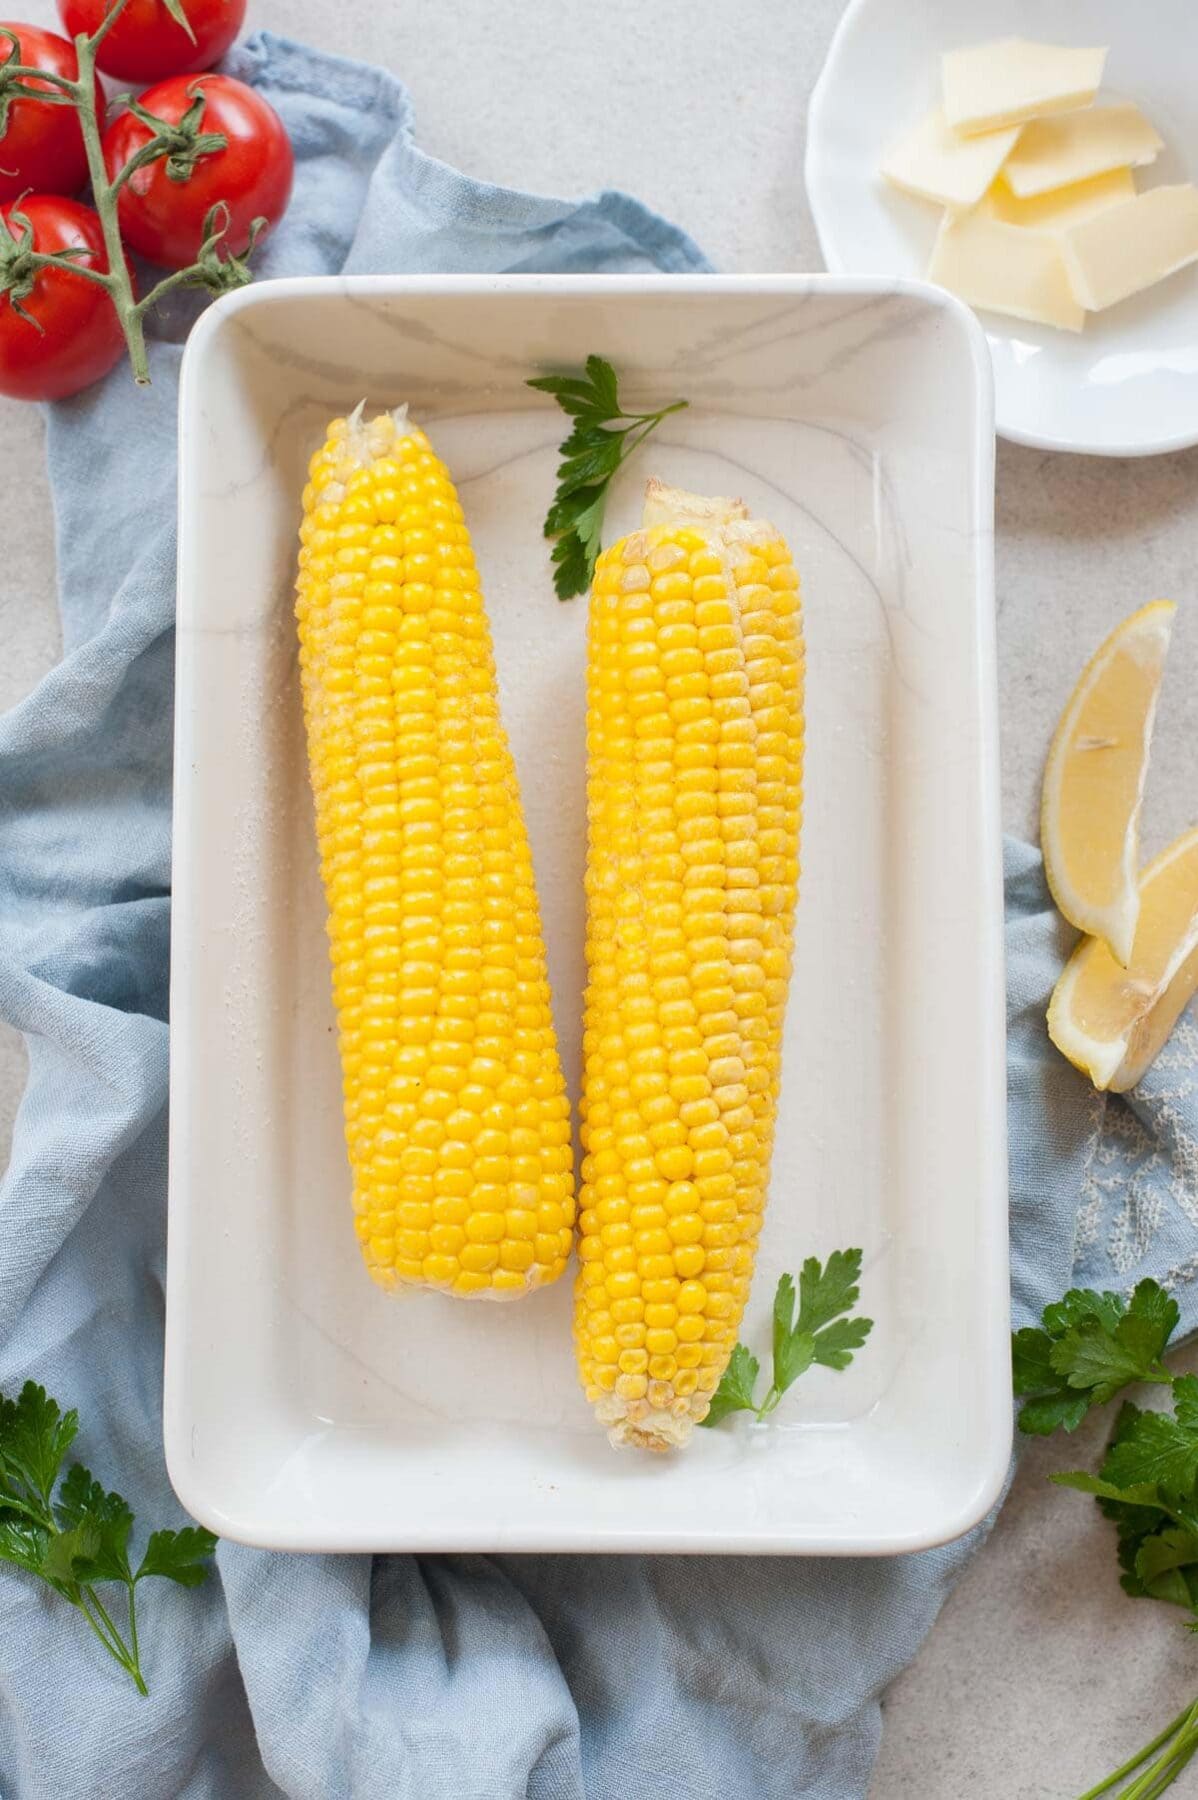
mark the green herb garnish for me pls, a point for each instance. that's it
(80, 1537)
(819, 1334)
(604, 436)
(1087, 1349)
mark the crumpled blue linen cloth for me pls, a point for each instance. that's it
(406, 1678)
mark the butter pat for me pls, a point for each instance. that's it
(1060, 206)
(986, 86)
(1059, 151)
(1130, 247)
(933, 162)
(1006, 269)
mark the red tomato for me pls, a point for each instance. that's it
(146, 43)
(80, 337)
(42, 145)
(162, 218)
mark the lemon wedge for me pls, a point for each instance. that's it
(1094, 781)
(1111, 1021)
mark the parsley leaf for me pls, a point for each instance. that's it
(1047, 1413)
(1156, 1311)
(1083, 1303)
(1090, 1357)
(1055, 1403)
(735, 1392)
(70, 1553)
(1163, 1553)
(83, 1505)
(1031, 1361)
(794, 1350)
(823, 1293)
(23, 1542)
(597, 445)
(580, 511)
(35, 1436)
(602, 378)
(588, 461)
(818, 1334)
(178, 1555)
(79, 1537)
(1155, 1448)
(1185, 1401)
(1089, 1348)
(834, 1345)
(1139, 1494)
(572, 565)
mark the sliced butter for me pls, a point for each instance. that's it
(1129, 247)
(1071, 147)
(1006, 269)
(935, 163)
(1060, 206)
(986, 86)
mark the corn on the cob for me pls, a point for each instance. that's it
(694, 795)
(456, 1116)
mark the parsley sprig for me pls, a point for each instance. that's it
(1087, 1349)
(819, 1334)
(79, 1537)
(596, 447)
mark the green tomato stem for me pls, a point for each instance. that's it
(167, 285)
(97, 276)
(17, 72)
(139, 160)
(17, 92)
(104, 196)
(107, 22)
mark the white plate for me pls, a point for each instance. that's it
(1128, 384)
(305, 1409)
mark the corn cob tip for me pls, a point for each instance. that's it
(666, 505)
(657, 1430)
(729, 520)
(352, 445)
(367, 440)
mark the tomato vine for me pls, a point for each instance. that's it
(215, 267)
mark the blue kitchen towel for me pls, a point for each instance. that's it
(403, 1678)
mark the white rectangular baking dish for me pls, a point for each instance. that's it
(304, 1408)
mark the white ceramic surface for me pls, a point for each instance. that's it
(1128, 384)
(306, 1409)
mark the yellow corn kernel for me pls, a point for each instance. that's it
(457, 1122)
(694, 798)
